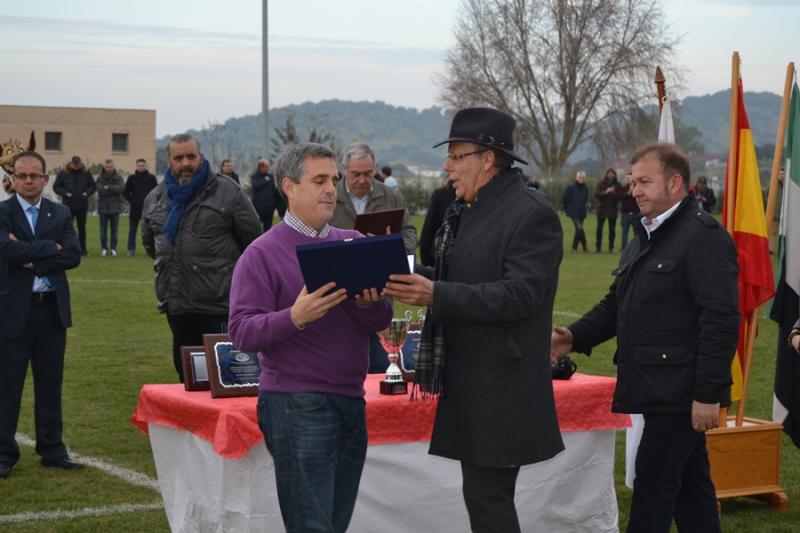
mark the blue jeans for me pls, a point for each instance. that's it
(318, 443)
(627, 220)
(104, 220)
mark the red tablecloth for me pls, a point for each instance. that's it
(583, 404)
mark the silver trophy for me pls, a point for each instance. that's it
(392, 340)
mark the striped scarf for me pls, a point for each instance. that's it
(429, 369)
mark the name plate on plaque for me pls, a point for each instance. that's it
(231, 372)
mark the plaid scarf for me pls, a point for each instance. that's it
(429, 369)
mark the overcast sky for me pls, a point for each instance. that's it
(199, 61)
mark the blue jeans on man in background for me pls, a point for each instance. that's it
(625, 222)
(318, 443)
(104, 222)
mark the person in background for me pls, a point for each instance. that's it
(226, 169)
(110, 187)
(608, 193)
(263, 189)
(75, 185)
(137, 187)
(195, 225)
(388, 179)
(574, 203)
(630, 210)
(441, 198)
(704, 195)
(360, 193)
(37, 245)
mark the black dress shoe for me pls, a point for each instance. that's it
(5, 469)
(65, 463)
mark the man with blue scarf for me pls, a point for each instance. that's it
(196, 224)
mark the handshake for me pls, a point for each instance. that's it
(560, 345)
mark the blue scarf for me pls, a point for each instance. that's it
(180, 196)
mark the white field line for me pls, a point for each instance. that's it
(131, 476)
(78, 513)
(567, 313)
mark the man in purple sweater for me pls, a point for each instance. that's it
(312, 348)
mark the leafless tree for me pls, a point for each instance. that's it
(560, 67)
(221, 141)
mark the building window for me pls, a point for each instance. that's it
(119, 143)
(52, 141)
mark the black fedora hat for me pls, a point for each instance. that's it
(486, 127)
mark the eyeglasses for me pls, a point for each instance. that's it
(32, 176)
(456, 158)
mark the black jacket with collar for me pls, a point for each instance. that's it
(673, 306)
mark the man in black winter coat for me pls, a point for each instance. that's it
(75, 185)
(574, 203)
(137, 187)
(673, 307)
(262, 187)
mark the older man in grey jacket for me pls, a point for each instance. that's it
(196, 224)
(361, 193)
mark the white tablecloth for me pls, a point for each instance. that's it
(403, 489)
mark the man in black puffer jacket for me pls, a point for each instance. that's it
(75, 185)
(137, 187)
(673, 307)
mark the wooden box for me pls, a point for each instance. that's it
(746, 461)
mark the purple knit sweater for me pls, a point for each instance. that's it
(329, 355)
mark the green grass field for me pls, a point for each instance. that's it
(119, 342)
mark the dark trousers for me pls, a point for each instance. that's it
(627, 220)
(489, 495)
(105, 221)
(79, 215)
(134, 218)
(266, 219)
(42, 343)
(580, 235)
(187, 330)
(612, 233)
(673, 479)
(318, 443)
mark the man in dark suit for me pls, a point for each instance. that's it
(37, 246)
(485, 344)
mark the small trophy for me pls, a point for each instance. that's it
(392, 339)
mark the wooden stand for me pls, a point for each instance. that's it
(746, 461)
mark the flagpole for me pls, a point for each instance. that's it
(733, 149)
(780, 138)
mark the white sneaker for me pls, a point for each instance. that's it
(113, 252)
(104, 253)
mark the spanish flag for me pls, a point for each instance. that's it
(756, 281)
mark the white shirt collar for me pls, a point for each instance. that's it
(25, 205)
(650, 225)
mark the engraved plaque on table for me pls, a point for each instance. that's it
(231, 372)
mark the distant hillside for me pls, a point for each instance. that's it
(710, 114)
(405, 135)
(398, 134)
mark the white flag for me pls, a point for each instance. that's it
(666, 133)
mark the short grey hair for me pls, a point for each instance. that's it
(182, 138)
(356, 151)
(109, 162)
(291, 161)
(580, 173)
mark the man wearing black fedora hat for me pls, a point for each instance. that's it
(485, 347)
